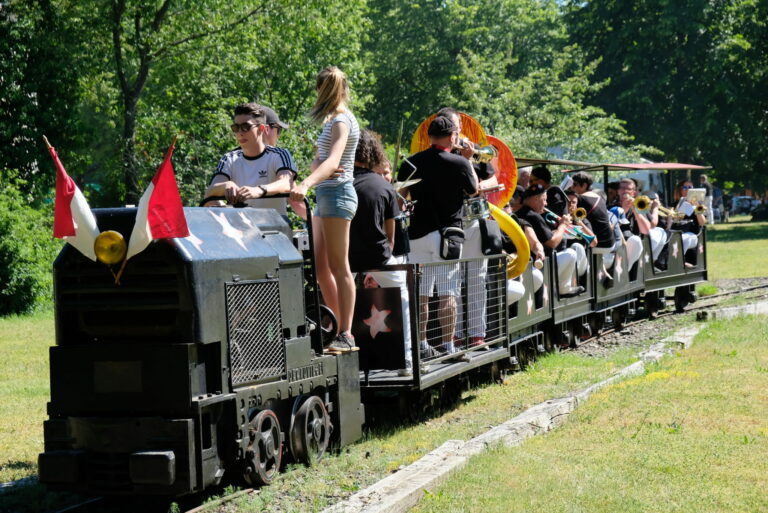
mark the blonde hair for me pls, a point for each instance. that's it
(332, 93)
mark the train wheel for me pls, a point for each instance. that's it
(310, 431)
(617, 318)
(597, 323)
(265, 449)
(683, 297)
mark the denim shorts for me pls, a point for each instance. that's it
(338, 200)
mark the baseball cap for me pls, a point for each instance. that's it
(534, 190)
(273, 118)
(441, 126)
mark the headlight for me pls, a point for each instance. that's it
(110, 247)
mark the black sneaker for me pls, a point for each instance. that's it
(343, 343)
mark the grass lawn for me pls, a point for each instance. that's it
(691, 435)
(24, 391)
(737, 250)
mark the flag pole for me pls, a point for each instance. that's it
(47, 143)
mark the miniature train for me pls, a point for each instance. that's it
(206, 362)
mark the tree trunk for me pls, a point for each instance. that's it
(130, 162)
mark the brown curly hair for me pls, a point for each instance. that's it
(370, 151)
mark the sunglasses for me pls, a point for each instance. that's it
(687, 187)
(276, 127)
(242, 127)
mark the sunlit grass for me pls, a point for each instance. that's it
(690, 435)
(24, 391)
(737, 250)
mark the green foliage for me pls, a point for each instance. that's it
(27, 249)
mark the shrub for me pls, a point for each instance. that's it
(27, 249)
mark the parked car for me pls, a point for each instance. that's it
(743, 204)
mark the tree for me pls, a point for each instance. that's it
(688, 76)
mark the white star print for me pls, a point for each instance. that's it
(674, 250)
(377, 321)
(246, 219)
(194, 240)
(228, 230)
(619, 271)
(530, 304)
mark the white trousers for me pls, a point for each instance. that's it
(476, 276)
(538, 279)
(690, 241)
(658, 238)
(566, 267)
(708, 204)
(515, 290)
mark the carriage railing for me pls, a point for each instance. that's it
(461, 306)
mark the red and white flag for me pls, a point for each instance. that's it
(161, 213)
(73, 220)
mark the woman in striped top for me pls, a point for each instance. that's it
(332, 176)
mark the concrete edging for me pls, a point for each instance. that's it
(404, 489)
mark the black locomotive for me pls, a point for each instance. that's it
(206, 360)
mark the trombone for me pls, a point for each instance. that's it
(668, 212)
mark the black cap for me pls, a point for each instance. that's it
(542, 173)
(441, 127)
(272, 118)
(534, 190)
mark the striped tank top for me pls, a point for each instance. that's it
(348, 157)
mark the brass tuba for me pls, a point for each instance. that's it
(580, 214)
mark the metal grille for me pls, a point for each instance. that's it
(466, 304)
(256, 348)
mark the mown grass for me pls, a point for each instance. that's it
(386, 450)
(24, 391)
(737, 250)
(691, 435)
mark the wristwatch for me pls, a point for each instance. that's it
(263, 190)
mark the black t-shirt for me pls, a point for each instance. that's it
(445, 180)
(376, 202)
(557, 201)
(597, 214)
(507, 245)
(539, 225)
(687, 224)
(632, 228)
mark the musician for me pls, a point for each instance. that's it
(439, 197)
(691, 222)
(708, 189)
(256, 169)
(534, 203)
(637, 223)
(605, 225)
(556, 200)
(515, 289)
(372, 231)
(477, 270)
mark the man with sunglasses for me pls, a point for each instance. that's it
(639, 223)
(257, 169)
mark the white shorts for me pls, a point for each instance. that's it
(446, 276)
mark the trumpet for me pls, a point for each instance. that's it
(700, 210)
(573, 231)
(580, 214)
(642, 204)
(481, 155)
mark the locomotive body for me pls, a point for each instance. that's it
(199, 363)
